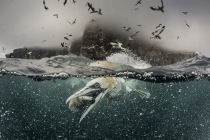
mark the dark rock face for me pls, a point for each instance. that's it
(36, 52)
(96, 45)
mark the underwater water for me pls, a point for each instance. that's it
(33, 108)
(37, 110)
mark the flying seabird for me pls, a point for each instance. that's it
(127, 28)
(45, 7)
(139, 25)
(74, 21)
(158, 26)
(111, 88)
(138, 2)
(92, 20)
(74, 1)
(185, 13)
(156, 37)
(62, 44)
(69, 34)
(99, 11)
(66, 38)
(65, 1)
(56, 15)
(177, 37)
(160, 8)
(90, 7)
(187, 24)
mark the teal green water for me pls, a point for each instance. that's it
(37, 111)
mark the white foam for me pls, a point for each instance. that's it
(124, 58)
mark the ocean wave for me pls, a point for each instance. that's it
(71, 65)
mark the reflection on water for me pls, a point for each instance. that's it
(37, 110)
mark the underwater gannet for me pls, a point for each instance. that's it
(112, 88)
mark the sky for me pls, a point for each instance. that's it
(27, 23)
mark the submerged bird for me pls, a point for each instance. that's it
(160, 8)
(111, 88)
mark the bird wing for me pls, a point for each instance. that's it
(100, 96)
(153, 8)
(142, 94)
(162, 4)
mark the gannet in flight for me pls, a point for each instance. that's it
(111, 88)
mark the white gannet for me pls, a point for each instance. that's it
(112, 88)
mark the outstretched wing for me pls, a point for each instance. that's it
(142, 94)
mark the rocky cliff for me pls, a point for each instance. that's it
(36, 52)
(95, 44)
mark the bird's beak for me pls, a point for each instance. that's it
(86, 91)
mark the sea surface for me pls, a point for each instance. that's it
(33, 95)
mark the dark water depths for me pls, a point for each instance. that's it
(32, 110)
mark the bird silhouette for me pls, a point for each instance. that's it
(90, 7)
(74, 22)
(99, 11)
(187, 24)
(66, 38)
(177, 37)
(69, 34)
(56, 15)
(74, 1)
(139, 25)
(158, 26)
(45, 7)
(160, 8)
(127, 28)
(62, 44)
(65, 1)
(185, 13)
(138, 2)
(92, 20)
